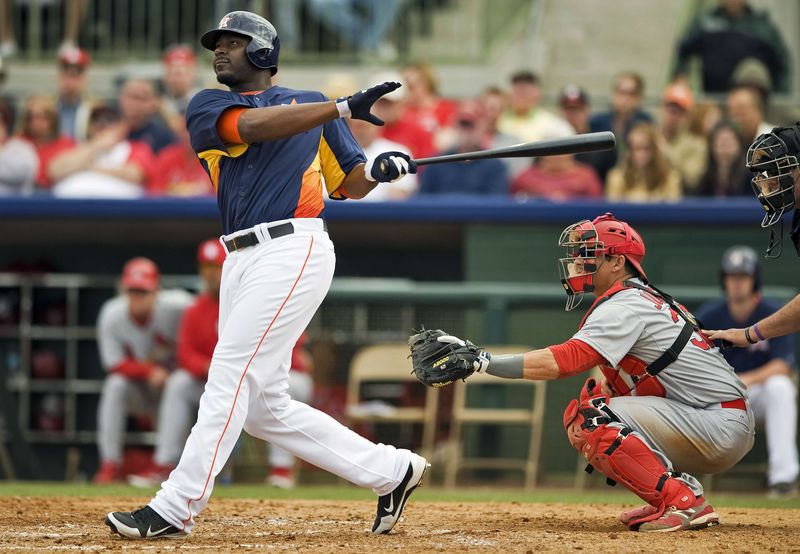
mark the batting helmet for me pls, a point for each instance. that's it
(586, 241)
(741, 260)
(264, 44)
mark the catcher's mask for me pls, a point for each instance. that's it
(587, 243)
(773, 159)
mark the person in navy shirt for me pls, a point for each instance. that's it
(479, 177)
(765, 367)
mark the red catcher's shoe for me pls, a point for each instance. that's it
(637, 513)
(107, 474)
(699, 516)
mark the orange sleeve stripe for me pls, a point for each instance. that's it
(228, 125)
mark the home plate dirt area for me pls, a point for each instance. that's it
(76, 524)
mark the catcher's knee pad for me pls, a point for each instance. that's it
(622, 456)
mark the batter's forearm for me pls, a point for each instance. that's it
(784, 321)
(277, 122)
(356, 183)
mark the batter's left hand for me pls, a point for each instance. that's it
(388, 167)
(735, 337)
(358, 105)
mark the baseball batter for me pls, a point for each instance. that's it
(269, 151)
(136, 331)
(669, 405)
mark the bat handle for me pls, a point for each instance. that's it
(384, 167)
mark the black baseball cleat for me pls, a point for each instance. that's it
(143, 523)
(390, 506)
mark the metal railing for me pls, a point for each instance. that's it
(310, 30)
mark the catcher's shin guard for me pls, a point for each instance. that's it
(622, 456)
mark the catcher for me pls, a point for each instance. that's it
(669, 404)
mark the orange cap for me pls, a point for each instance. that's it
(140, 274)
(680, 95)
(210, 252)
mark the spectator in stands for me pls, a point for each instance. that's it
(557, 178)
(726, 174)
(361, 23)
(196, 340)
(424, 105)
(139, 105)
(493, 103)
(178, 171)
(107, 165)
(704, 117)
(39, 125)
(73, 103)
(725, 36)
(479, 177)
(4, 95)
(745, 108)
(626, 110)
(685, 151)
(372, 143)
(136, 334)
(179, 79)
(525, 118)
(645, 174)
(18, 160)
(754, 74)
(406, 131)
(574, 103)
(766, 367)
(8, 38)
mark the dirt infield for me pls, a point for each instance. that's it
(53, 524)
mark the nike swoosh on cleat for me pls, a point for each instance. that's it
(390, 509)
(157, 533)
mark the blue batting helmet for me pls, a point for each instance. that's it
(741, 260)
(264, 44)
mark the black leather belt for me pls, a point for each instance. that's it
(251, 239)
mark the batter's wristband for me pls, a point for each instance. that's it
(758, 334)
(344, 108)
(748, 337)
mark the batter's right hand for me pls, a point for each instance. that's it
(358, 105)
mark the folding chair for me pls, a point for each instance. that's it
(389, 363)
(464, 415)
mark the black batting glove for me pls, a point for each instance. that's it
(359, 104)
(388, 167)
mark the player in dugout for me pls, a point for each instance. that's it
(669, 404)
(137, 331)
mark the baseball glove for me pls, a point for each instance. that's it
(439, 359)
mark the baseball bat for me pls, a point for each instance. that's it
(588, 142)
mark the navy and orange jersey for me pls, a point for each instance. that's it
(269, 181)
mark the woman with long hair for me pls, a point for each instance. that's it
(40, 127)
(644, 174)
(726, 174)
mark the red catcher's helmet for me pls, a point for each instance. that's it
(586, 241)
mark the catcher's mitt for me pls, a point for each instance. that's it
(439, 359)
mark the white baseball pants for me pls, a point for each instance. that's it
(268, 296)
(774, 404)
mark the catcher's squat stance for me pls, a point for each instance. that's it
(669, 402)
(270, 151)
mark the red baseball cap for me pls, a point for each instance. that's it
(210, 252)
(179, 54)
(140, 274)
(74, 56)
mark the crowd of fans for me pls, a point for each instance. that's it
(72, 145)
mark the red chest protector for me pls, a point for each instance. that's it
(641, 373)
